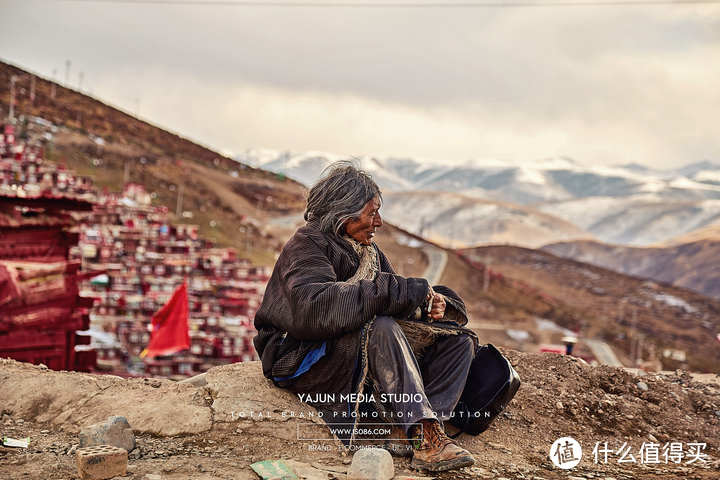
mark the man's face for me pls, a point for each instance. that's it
(363, 228)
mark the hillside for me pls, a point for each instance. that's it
(229, 201)
(634, 315)
(233, 417)
(694, 265)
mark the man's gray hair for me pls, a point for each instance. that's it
(339, 196)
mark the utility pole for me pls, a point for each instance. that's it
(32, 89)
(11, 113)
(486, 274)
(633, 345)
(126, 175)
(52, 85)
(68, 63)
(178, 207)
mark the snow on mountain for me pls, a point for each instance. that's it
(639, 220)
(629, 204)
(461, 221)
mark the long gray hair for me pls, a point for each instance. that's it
(339, 196)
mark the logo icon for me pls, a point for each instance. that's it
(565, 453)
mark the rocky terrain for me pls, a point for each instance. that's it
(217, 428)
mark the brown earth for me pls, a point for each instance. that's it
(691, 264)
(216, 430)
(618, 308)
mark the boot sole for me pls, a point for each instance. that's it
(442, 465)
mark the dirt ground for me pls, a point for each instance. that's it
(216, 430)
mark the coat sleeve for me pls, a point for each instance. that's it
(323, 307)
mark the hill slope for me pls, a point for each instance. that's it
(229, 201)
(632, 314)
(694, 265)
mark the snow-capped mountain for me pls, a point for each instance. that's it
(629, 204)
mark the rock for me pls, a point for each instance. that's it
(115, 431)
(559, 405)
(642, 386)
(652, 438)
(371, 464)
(197, 380)
(72, 449)
(152, 476)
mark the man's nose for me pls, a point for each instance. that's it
(378, 221)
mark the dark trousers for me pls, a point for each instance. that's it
(431, 386)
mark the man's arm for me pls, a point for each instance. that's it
(324, 308)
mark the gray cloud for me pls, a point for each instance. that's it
(598, 84)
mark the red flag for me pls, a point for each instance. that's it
(170, 332)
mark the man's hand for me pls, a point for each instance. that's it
(436, 305)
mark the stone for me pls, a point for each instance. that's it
(652, 438)
(642, 386)
(152, 476)
(115, 431)
(101, 462)
(196, 381)
(371, 464)
(72, 449)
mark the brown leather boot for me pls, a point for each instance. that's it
(397, 442)
(435, 451)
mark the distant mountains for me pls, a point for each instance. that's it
(628, 204)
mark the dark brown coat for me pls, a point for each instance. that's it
(308, 301)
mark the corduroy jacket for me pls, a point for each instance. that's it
(308, 301)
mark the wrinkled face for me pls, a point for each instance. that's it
(362, 229)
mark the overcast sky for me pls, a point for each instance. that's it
(603, 85)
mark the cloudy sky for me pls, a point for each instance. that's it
(607, 85)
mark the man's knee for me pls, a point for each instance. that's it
(385, 326)
(462, 343)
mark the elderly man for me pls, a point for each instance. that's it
(336, 319)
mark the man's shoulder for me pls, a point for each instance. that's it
(307, 236)
(304, 241)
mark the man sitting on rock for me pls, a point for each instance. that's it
(336, 319)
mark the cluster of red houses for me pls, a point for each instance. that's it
(82, 274)
(141, 258)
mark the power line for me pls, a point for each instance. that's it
(384, 4)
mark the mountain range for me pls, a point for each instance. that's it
(627, 204)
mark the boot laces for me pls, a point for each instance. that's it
(434, 436)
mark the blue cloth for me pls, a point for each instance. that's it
(312, 357)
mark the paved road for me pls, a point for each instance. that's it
(603, 352)
(437, 259)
